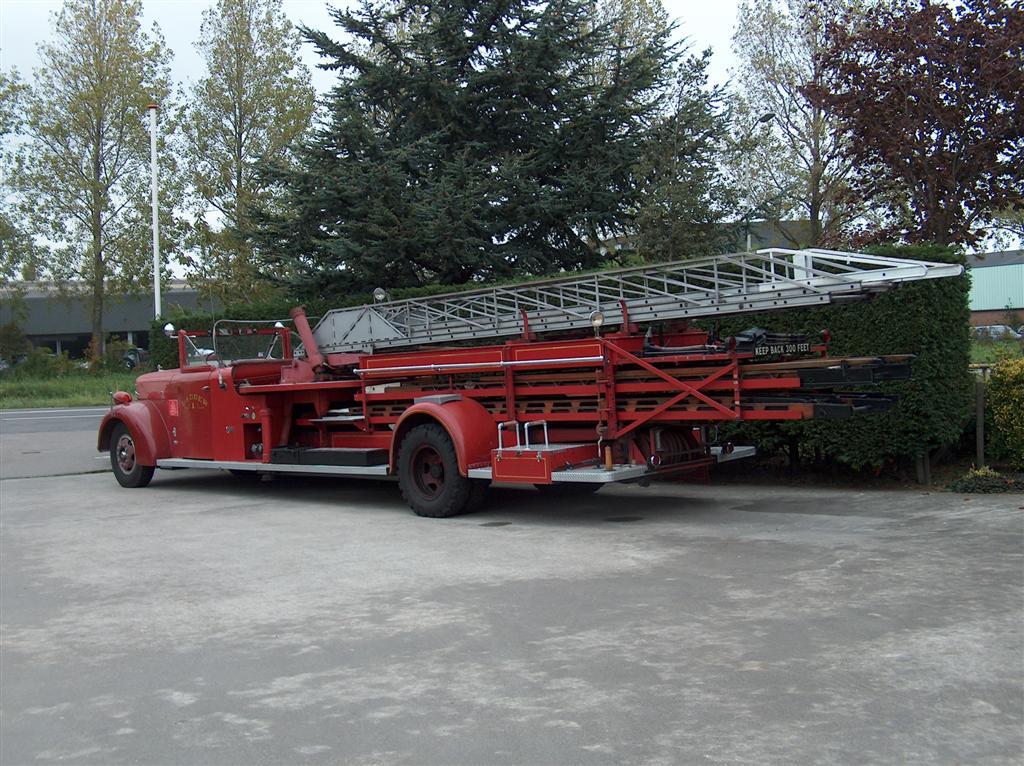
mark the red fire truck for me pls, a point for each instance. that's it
(564, 384)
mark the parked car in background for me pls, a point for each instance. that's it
(134, 357)
(996, 332)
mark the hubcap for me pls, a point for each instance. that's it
(126, 453)
(428, 471)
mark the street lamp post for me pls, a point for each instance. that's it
(156, 210)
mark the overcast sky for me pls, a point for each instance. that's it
(25, 23)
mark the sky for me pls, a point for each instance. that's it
(25, 23)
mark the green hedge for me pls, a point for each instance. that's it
(929, 319)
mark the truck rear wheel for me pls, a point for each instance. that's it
(127, 470)
(428, 474)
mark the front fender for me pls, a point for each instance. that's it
(471, 428)
(147, 427)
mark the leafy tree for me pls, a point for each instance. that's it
(930, 97)
(85, 176)
(16, 251)
(254, 102)
(13, 343)
(628, 24)
(792, 162)
(683, 196)
(1008, 225)
(687, 194)
(11, 89)
(474, 143)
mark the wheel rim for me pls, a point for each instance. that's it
(428, 471)
(125, 453)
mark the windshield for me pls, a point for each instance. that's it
(235, 340)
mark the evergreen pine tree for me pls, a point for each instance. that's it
(463, 141)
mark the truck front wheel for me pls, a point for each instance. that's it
(127, 470)
(428, 474)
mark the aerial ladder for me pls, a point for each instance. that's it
(565, 384)
(740, 283)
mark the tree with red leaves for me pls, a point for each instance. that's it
(931, 96)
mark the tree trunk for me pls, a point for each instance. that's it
(815, 216)
(814, 180)
(923, 467)
(794, 454)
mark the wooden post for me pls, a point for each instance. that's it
(979, 423)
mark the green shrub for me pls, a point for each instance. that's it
(113, 356)
(929, 319)
(43, 363)
(1005, 399)
(985, 480)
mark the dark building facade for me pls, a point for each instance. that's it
(61, 322)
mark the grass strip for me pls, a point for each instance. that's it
(71, 390)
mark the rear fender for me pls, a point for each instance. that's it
(471, 428)
(146, 426)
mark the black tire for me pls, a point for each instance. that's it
(127, 470)
(569, 488)
(428, 474)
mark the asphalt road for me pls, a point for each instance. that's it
(50, 442)
(207, 621)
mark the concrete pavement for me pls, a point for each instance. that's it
(206, 621)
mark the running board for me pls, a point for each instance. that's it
(619, 472)
(591, 475)
(245, 465)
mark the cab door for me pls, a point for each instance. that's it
(189, 396)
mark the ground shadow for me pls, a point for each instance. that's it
(503, 506)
